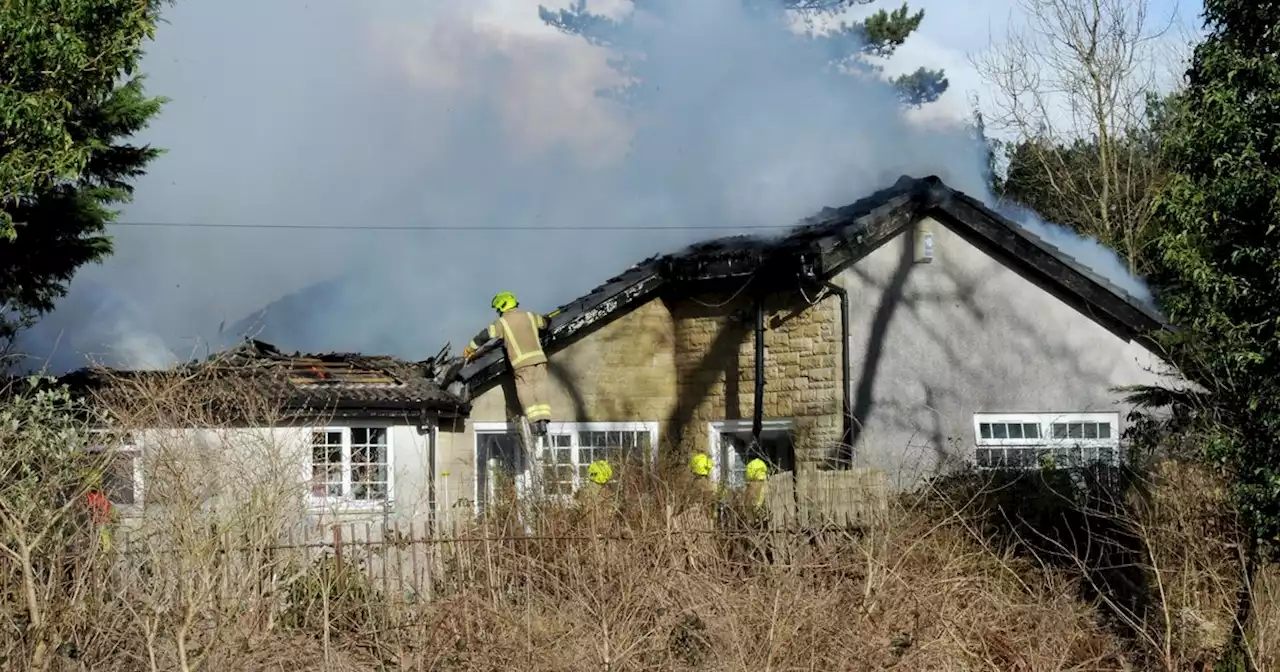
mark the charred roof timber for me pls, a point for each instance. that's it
(304, 384)
(825, 244)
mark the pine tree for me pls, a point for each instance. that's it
(849, 45)
(69, 100)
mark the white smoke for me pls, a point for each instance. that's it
(119, 337)
(1095, 256)
(367, 115)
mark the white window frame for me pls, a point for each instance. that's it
(345, 502)
(1045, 422)
(128, 445)
(521, 479)
(717, 427)
(525, 481)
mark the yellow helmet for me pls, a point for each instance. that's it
(700, 464)
(600, 472)
(757, 470)
(504, 301)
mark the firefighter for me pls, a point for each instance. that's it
(520, 332)
(700, 465)
(757, 472)
(595, 495)
(101, 513)
(760, 548)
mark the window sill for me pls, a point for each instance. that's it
(343, 506)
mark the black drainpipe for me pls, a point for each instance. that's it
(846, 369)
(757, 410)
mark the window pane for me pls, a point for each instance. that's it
(1015, 431)
(1104, 430)
(369, 436)
(558, 479)
(1075, 430)
(1031, 430)
(326, 448)
(319, 487)
(1090, 430)
(998, 431)
(984, 430)
(118, 481)
(374, 491)
(1059, 430)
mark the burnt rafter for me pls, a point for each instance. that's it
(309, 384)
(825, 244)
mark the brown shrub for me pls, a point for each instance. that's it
(650, 582)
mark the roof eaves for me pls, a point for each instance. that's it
(1046, 261)
(836, 238)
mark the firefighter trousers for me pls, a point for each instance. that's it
(531, 392)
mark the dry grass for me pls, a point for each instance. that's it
(646, 581)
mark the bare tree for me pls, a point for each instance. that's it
(1073, 88)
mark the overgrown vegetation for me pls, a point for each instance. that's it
(1078, 101)
(224, 572)
(1217, 267)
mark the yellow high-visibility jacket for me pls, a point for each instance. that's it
(520, 332)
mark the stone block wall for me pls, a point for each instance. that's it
(685, 362)
(714, 354)
(622, 372)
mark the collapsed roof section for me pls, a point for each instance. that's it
(312, 385)
(824, 245)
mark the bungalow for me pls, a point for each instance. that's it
(359, 430)
(882, 342)
(874, 345)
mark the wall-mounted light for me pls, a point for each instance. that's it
(924, 242)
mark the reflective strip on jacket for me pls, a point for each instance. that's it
(519, 331)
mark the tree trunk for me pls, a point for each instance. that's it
(35, 615)
(1237, 646)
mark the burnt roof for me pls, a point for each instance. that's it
(328, 384)
(826, 243)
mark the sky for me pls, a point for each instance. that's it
(390, 113)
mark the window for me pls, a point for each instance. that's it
(569, 448)
(350, 465)
(731, 440)
(560, 459)
(500, 464)
(1031, 440)
(122, 473)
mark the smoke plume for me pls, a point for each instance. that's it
(462, 116)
